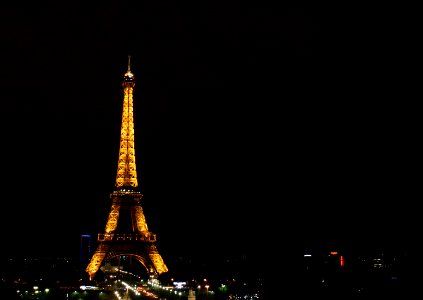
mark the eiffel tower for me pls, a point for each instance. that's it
(126, 232)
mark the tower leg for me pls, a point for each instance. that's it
(96, 260)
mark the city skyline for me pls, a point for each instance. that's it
(251, 124)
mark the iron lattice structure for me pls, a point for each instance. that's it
(131, 238)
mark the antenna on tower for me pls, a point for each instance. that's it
(129, 63)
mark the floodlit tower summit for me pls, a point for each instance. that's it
(126, 231)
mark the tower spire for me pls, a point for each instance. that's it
(126, 177)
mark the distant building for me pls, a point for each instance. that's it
(323, 261)
(85, 249)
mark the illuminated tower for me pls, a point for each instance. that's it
(126, 231)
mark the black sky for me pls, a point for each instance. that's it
(251, 121)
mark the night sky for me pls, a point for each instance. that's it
(254, 125)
